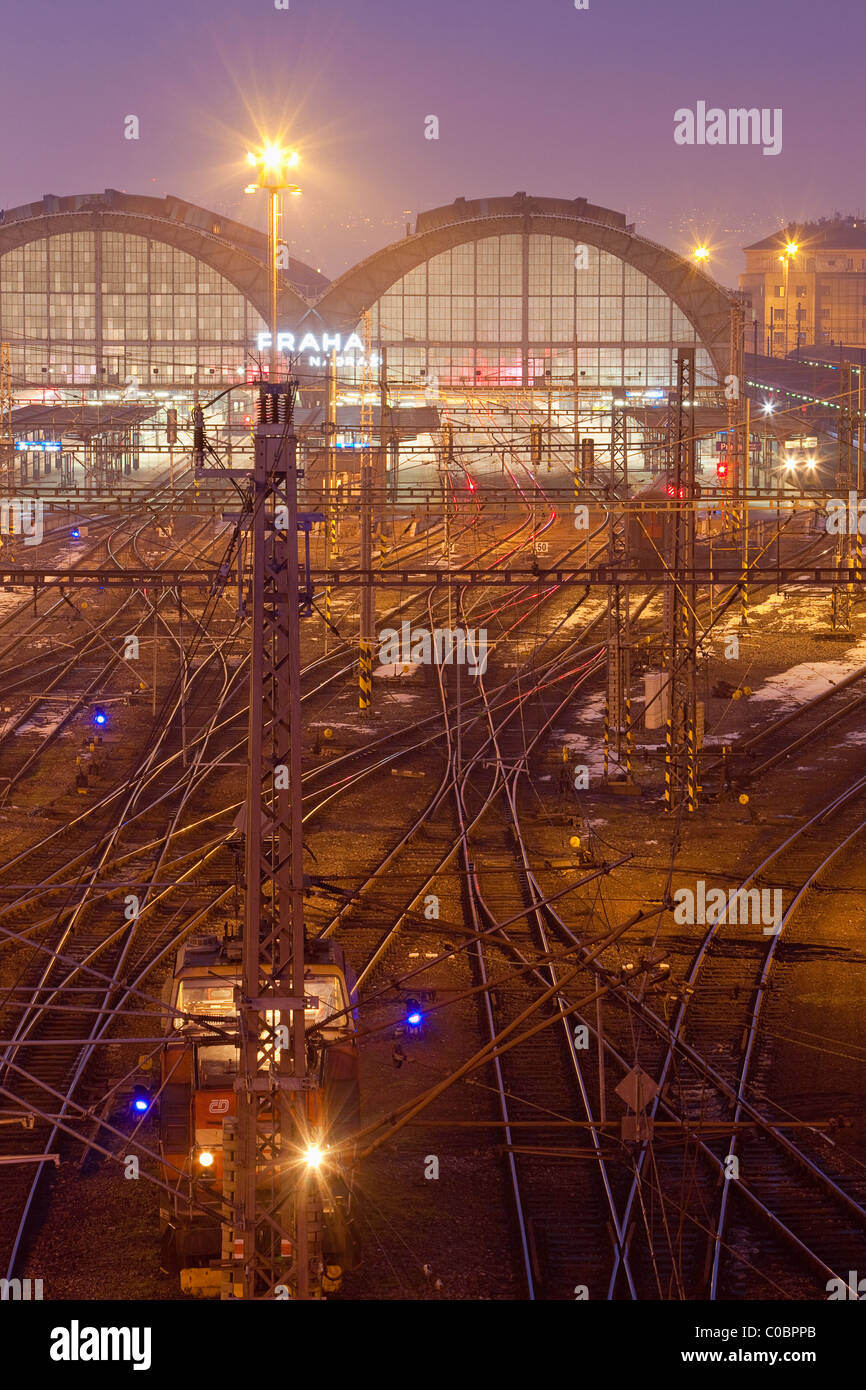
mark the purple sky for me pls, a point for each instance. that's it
(530, 94)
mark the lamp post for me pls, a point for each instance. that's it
(272, 163)
(790, 250)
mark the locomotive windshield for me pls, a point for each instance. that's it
(214, 999)
(208, 999)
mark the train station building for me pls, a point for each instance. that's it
(110, 295)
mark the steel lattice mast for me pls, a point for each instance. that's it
(276, 1216)
(841, 600)
(681, 622)
(618, 697)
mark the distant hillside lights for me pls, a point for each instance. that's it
(737, 126)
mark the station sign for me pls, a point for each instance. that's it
(349, 353)
(38, 446)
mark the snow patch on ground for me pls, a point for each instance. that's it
(810, 678)
(44, 722)
(584, 743)
(11, 598)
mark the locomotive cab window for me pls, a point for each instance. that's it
(326, 990)
(217, 1065)
(205, 998)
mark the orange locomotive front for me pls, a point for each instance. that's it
(198, 1104)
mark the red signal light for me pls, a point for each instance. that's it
(470, 483)
(672, 492)
(722, 470)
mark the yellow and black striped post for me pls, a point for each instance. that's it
(606, 736)
(365, 675)
(628, 736)
(691, 766)
(744, 599)
(669, 739)
(858, 558)
(328, 608)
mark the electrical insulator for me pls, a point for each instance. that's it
(198, 435)
(535, 438)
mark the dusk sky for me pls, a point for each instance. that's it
(530, 94)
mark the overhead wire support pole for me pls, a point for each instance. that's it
(841, 599)
(617, 702)
(681, 641)
(367, 615)
(272, 1199)
(735, 396)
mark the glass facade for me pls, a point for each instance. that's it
(507, 310)
(94, 308)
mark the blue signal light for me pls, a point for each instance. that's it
(99, 716)
(140, 1099)
(414, 1020)
(75, 533)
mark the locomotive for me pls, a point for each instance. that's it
(198, 1106)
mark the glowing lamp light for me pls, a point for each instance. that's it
(414, 1019)
(701, 253)
(413, 1013)
(313, 1156)
(99, 715)
(791, 249)
(140, 1099)
(75, 533)
(205, 1158)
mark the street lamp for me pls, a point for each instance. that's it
(272, 163)
(701, 253)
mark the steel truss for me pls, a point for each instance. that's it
(274, 1213)
(680, 653)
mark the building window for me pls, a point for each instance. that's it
(802, 291)
(779, 291)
